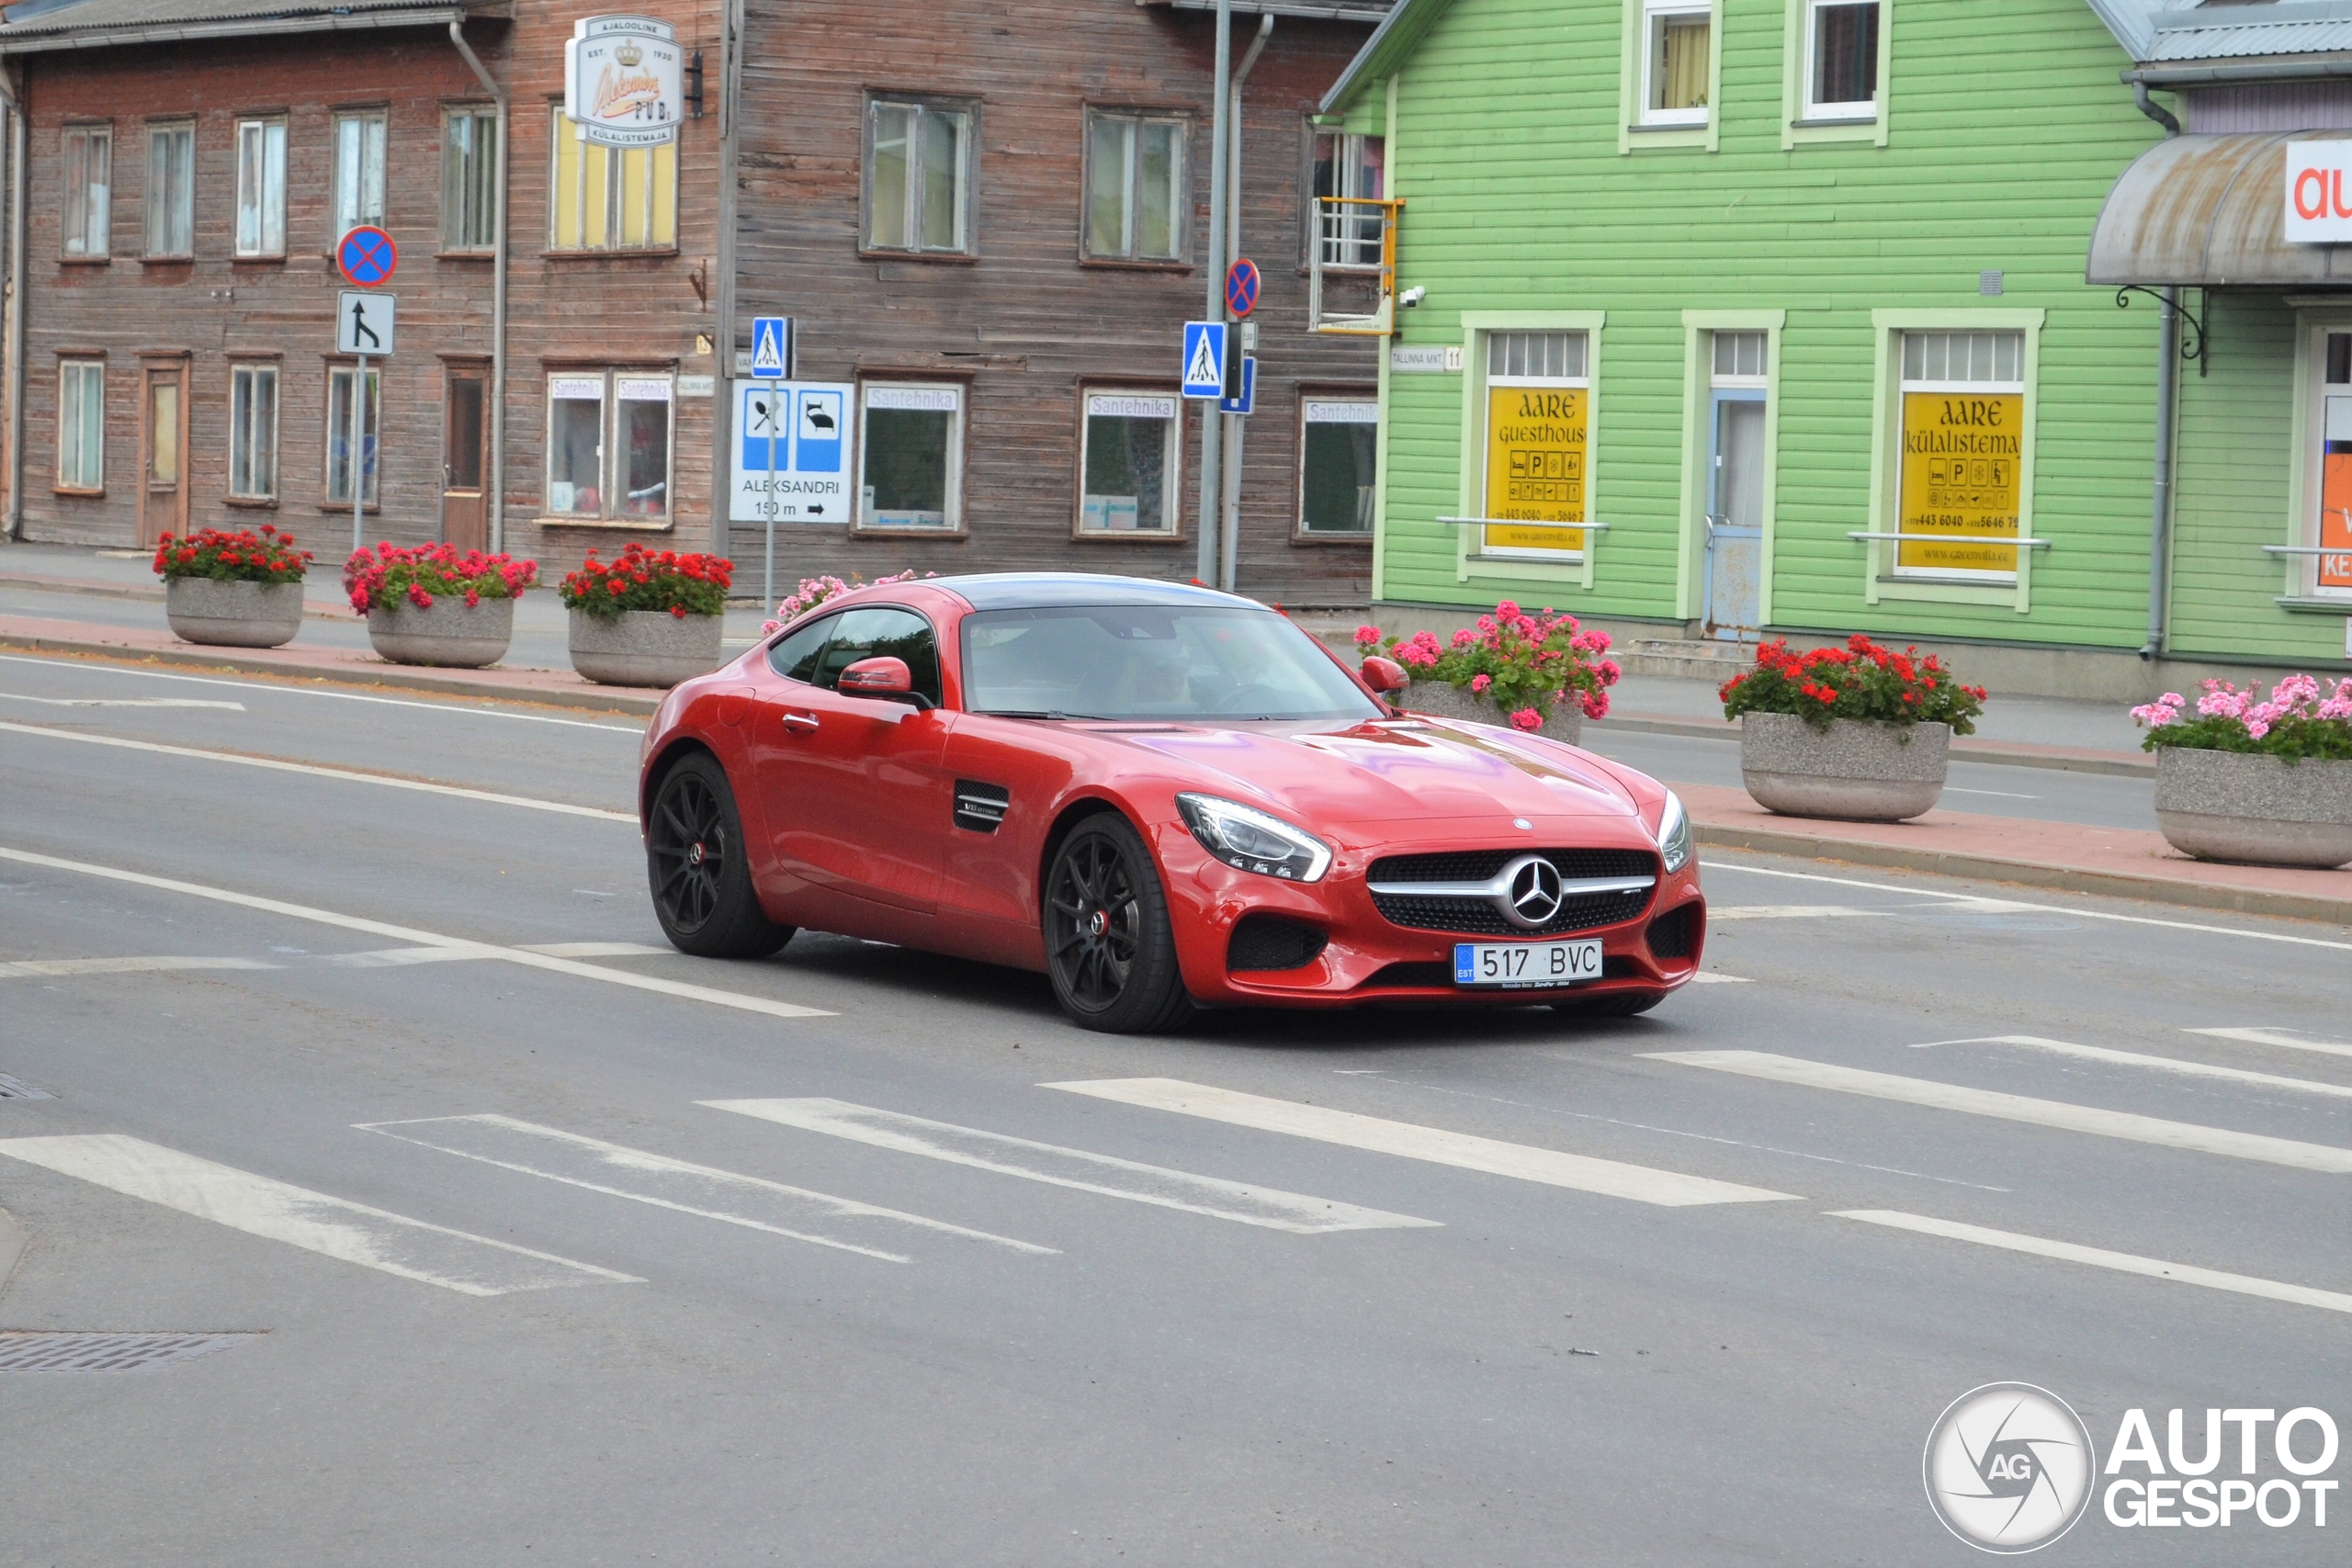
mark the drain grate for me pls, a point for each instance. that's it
(17, 1088)
(33, 1351)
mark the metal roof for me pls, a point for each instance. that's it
(101, 23)
(2209, 210)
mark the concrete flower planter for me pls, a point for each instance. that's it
(1856, 771)
(1447, 700)
(232, 614)
(450, 635)
(2253, 810)
(644, 648)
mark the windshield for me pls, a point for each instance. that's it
(1121, 661)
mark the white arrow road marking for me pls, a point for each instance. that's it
(1059, 1166)
(2154, 1064)
(1608, 1176)
(23, 968)
(529, 960)
(122, 702)
(700, 1189)
(2287, 1037)
(2019, 1108)
(2100, 1257)
(434, 1254)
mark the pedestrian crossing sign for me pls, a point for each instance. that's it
(770, 337)
(1205, 359)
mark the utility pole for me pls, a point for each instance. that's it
(1230, 509)
(1211, 479)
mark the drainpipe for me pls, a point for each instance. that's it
(13, 525)
(732, 23)
(2167, 413)
(1229, 565)
(1212, 485)
(497, 297)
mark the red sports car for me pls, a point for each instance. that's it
(1162, 797)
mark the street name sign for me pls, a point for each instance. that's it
(791, 452)
(363, 322)
(1205, 359)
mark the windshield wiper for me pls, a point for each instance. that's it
(1038, 712)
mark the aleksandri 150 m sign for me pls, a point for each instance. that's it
(623, 81)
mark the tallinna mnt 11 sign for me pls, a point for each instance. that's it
(624, 80)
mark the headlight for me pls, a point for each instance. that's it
(1241, 836)
(1674, 834)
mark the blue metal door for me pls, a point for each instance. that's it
(1734, 575)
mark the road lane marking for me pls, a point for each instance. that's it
(2019, 1108)
(1787, 912)
(2278, 1037)
(1709, 977)
(2100, 1257)
(408, 934)
(21, 968)
(2038, 909)
(349, 775)
(1104, 1174)
(401, 957)
(121, 702)
(374, 1238)
(596, 949)
(663, 1182)
(2003, 794)
(1525, 1162)
(2154, 1064)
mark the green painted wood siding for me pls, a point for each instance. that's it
(2007, 127)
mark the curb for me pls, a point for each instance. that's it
(146, 593)
(2032, 873)
(1963, 748)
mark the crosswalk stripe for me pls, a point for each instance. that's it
(374, 1238)
(2100, 1257)
(2154, 1064)
(28, 969)
(1525, 1162)
(1105, 1174)
(2278, 1037)
(660, 1181)
(2019, 1108)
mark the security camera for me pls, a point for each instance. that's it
(1412, 297)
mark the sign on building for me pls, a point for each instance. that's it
(1535, 466)
(800, 429)
(1960, 470)
(624, 81)
(2319, 205)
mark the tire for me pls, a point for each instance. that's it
(1110, 947)
(695, 864)
(1621, 1004)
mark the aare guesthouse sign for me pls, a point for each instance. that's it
(2319, 193)
(624, 81)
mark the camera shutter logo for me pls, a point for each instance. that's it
(2010, 1467)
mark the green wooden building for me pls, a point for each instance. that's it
(1737, 317)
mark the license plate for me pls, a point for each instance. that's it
(1526, 963)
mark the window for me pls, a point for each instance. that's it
(1132, 483)
(1338, 438)
(2332, 569)
(1963, 430)
(1741, 359)
(1349, 167)
(881, 632)
(171, 189)
(1136, 186)
(469, 179)
(795, 656)
(608, 447)
(610, 198)
(358, 170)
(918, 175)
(1841, 59)
(1678, 64)
(912, 472)
(341, 383)
(252, 431)
(81, 424)
(1538, 415)
(260, 187)
(89, 189)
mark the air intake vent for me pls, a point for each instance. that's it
(1675, 934)
(1271, 943)
(980, 806)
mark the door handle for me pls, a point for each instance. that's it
(799, 723)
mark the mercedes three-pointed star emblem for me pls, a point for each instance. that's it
(1532, 897)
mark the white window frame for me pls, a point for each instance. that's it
(1816, 107)
(1803, 121)
(338, 428)
(86, 374)
(356, 195)
(1179, 199)
(1528, 568)
(164, 194)
(1172, 477)
(612, 457)
(1360, 403)
(2304, 586)
(660, 160)
(93, 237)
(1329, 231)
(1653, 30)
(966, 148)
(260, 232)
(958, 424)
(244, 379)
(470, 177)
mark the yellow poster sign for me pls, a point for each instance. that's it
(1535, 466)
(1961, 476)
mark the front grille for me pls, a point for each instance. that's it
(1675, 934)
(1478, 865)
(1476, 917)
(1270, 942)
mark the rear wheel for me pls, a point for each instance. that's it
(700, 875)
(1109, 950)
(1619, 1004)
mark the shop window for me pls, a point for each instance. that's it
(610, 198)
(171, 189)
(1354, 166)
(609, 437)
(252, 431)
(1539, 416)
(912, 473)
(81, 424)
(1677, 60)
(1339, 438)
(358, 170)
(1961, 488)
(1135, 187)
(89, 189)
(260, 187)
(1841, 59)
(469, 179)
(2332, 533)
(918, 176)
(343, 382)
(1134, 443)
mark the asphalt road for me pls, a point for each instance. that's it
(431, 1142)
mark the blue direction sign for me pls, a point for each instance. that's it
(1248, 401)
(770, 343)
(368, 256)
(1205, 359)
(1241, 286)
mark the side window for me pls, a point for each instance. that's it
(795, 656)
(879, 633)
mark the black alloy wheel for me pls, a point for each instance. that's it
(1108, 947)
(701, 879)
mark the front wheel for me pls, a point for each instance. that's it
(701, 876)
(1109, 950)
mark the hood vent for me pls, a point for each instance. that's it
(980, 806)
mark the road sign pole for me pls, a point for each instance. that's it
(358, 453)
(1212, 485)
(768, 574)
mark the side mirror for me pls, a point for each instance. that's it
(887, 676)
(1384, 675)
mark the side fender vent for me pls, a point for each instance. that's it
(1675, 934)
(980, 806)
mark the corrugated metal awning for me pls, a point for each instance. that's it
(2210, 211)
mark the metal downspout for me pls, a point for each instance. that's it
(13, 526)
(732, 22)
(2167, 413)
(1211, 477)
(497, 297)
(1230, 566)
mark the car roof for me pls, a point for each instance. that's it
(1051, 590)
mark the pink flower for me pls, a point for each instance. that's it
(1596, 704)
(1507, 611)
(1609, 671)
(1367, 636)
(473, 598)
(1480, 682)
(1527, 719)
(1465, 637)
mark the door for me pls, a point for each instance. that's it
(465, 458)
(1735, 516)
(163, 452)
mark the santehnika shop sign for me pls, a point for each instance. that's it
(624, 81)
